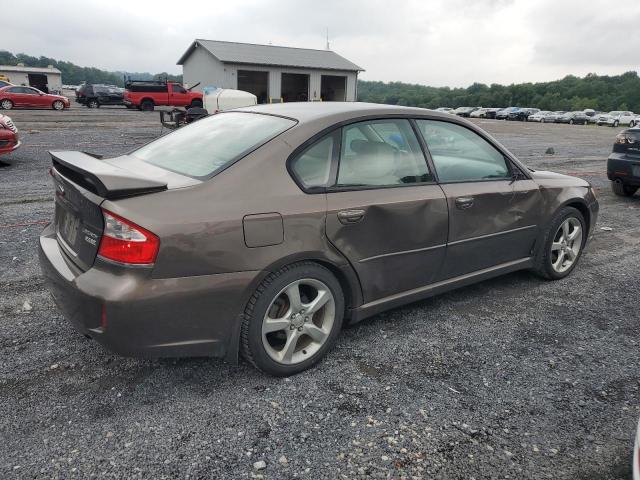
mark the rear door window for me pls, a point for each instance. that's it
(209, 145)
(461, 155)
(382, 152)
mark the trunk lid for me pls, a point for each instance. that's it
(82, 182)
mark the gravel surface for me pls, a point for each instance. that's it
(513, 378)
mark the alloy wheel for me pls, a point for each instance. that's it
(298, 321)
(566, 245)
(6, 104)
(58, 105)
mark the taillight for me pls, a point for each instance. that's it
(125, 242)
(623, 138)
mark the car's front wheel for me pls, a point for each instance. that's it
(57, 105)
(292, 319)
(623, 190)
(93, 103)
(562, 244)
(631, 124)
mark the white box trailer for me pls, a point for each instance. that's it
(221, 99)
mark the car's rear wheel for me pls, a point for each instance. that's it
(292, 319)
(623, 190)
(58, 105)
(562, 244)
(93, 103)
(6, 104)
(615, 124)
(147, 106)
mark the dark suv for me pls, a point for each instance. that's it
(93, 96)
(623, 165)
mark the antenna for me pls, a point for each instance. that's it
(328, 47)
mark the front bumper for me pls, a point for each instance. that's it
(146, 316)
(624, 168)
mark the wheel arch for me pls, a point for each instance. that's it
(338, 266)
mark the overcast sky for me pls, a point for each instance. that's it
(432, 42)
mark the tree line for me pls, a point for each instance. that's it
(73, 74)
(599, 92)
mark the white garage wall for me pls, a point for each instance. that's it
(203, 67)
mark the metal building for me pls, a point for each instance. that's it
(45, 79)
(271, 73)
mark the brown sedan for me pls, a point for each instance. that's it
(263, 230)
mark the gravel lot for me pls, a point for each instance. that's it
(512, 378)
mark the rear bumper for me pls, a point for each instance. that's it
(621, 167)
(144, 316)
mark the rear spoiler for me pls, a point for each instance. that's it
(102, 178)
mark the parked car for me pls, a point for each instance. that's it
(93, 96)
(484, 113)
(28, 97)
(554, 116)
(9, 138)
(444, 109)
(263, 230)
(464, 111)
(491, 112)
(538, 116)
(504, 113)
(573, 117)
(623, 165)
(635, 121)
(521, 114)
(616, 118)
(146, 95)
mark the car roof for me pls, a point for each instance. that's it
(309, 111)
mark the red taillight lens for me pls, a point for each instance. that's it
(125, 242)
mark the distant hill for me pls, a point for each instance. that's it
(600, 92)
(73, 74)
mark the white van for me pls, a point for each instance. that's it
(221, 99)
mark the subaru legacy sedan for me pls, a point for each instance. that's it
(261, 231)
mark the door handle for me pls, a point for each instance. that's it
(350, 216)
(464, 202)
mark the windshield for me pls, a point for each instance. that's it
(614, 113)
(208, 145)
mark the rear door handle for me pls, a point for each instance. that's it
(464, 202)
(350, 216)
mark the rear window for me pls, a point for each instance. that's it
(207, 146)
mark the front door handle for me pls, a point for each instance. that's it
(464, 202)
(350, 216)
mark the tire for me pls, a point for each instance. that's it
(631, 124)
(623, 190)
(93, 103)
(6, 104)
(271, 305)
(196, 104)
(571, 122)
(615, 124)
(542, 120)
(548, 262)
(58, 105)
(147, 106)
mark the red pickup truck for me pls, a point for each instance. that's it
(146, 95)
